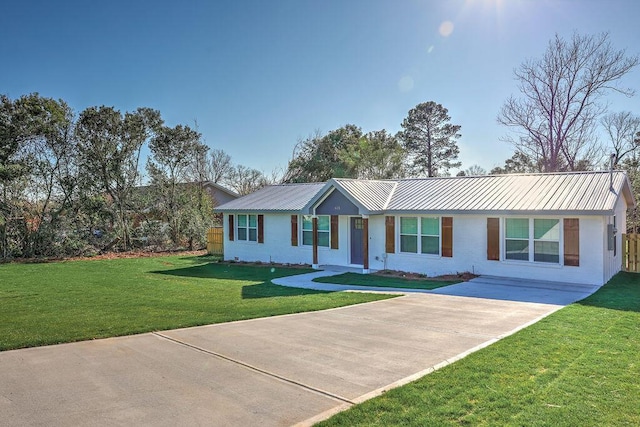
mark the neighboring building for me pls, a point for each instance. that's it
(558, 226)
(219, 194)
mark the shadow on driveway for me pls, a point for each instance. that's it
(521, 290)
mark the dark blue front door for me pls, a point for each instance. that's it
(357, 250)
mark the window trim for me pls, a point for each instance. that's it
(439, 235)
(531, 241)
(303, 230)
(533, 237)
(518, 239)
(419, 235)
(247, 228)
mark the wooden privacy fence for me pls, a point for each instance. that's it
(631, 252)
(215, 239)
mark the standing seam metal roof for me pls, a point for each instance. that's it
(567, 192)
(555, 192)
(372, 195)
(282, 198)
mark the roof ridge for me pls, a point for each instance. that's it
(286, 184)
(365, 179)
(509, 175)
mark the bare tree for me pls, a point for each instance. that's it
(219, 166)
(475, 170)
(557, 113)
(244, 180)
(621, 129)
(276, 176)
(518, 163)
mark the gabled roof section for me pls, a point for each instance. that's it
(221, 188)
(370, 196)
(570, 193)
(274, 198)
(373, 195)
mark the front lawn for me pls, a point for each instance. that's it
(577, 367)
(356, 279)
(77, 300)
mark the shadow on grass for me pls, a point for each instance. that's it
(199, 259)
(269, 290)
(261, 275)
(213, 270)
(622, 292)
(203, 271)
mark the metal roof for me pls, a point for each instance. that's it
(277, 198)
(372, 195)
(568, 193)
(221, 188)
(573, 192)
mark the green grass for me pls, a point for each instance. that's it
(59, 302)
(577, 367)
(383, 282)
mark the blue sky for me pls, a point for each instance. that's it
(259, 75)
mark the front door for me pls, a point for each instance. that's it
(357, 248)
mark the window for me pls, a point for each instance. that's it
(247, 228)
(517, 238)
(420, 235)
(324, 227)
(532, 239)
(430, 236)
(546, 243)
(408, 234)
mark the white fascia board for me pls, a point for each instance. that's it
(307, 209)
(329, 188)
(500, 213)
(261, 211)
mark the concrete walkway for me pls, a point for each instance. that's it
(306, 281)
(487, 287)
(274, 371)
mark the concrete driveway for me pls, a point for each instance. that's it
(271, 372)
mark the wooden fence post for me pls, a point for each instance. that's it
(633, 253)
(625, 248)
(630, 252)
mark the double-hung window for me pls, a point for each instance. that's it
(430, 235)
(324, 229)
(420, 235)
(409, 234)
(247, 228)
(517, 239)
(546, 240)
(532, 239)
